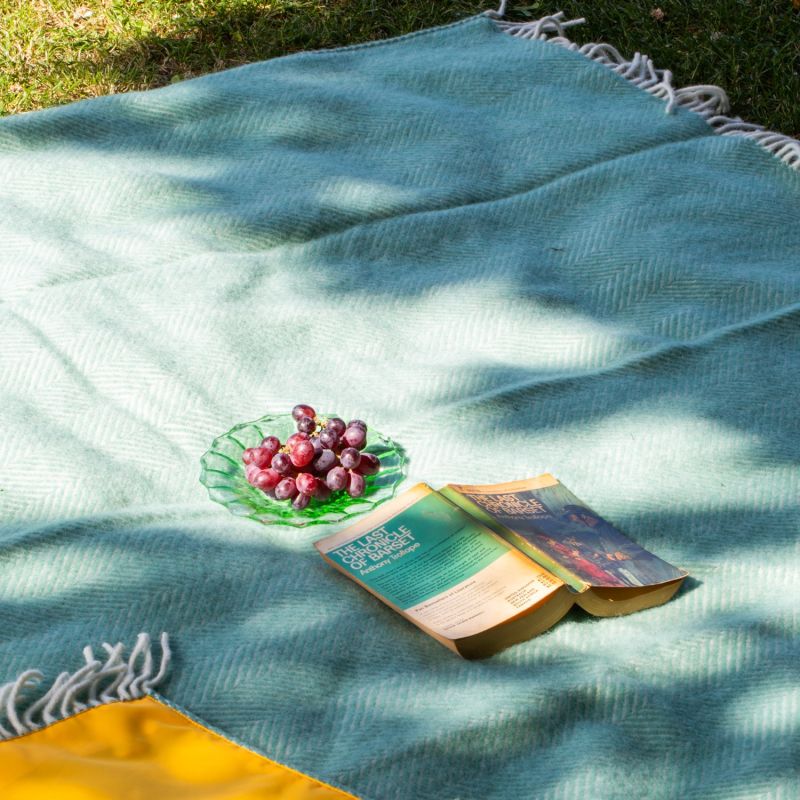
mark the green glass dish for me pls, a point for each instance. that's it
(222, 473)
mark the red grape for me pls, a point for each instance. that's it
(357, 423)
(306, 425)
(249, 455)
(355, 485)
(323, 492)
(261, 457)
(336, 425)
(266, 479)
(303, 410)
(355, 437)
(271, 443)
(325, 461)
(300, 501)
(250, 471)
(350, 457)
(336, 479)
(302, 454)
(369, 464)
(281, 463)
(306, 484)
(329, 438)
(295, 438)
(286, 489)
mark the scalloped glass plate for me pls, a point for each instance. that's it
(222, 473)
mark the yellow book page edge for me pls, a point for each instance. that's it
(512, 486)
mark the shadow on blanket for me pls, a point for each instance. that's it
(582, 284)
(275, 649)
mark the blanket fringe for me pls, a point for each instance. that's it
(710, 102)
(96, 683)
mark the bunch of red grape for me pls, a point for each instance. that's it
(323, 457)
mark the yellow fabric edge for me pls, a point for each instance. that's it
(145, 748)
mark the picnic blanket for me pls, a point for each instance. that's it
(509, 256)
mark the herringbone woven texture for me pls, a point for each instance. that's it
(507, 258)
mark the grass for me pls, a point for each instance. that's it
(58, 51)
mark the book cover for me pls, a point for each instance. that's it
(438, 566)
(568, 536)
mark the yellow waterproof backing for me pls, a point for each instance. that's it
(144, 750)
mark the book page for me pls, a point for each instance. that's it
(545, 513)
(442, 568)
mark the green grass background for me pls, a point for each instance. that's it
(58, 51)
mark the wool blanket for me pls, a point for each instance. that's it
(510, 256)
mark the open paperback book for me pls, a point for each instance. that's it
(479, 568)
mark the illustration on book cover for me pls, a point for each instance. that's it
(558, 523)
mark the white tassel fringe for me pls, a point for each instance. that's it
(94, 684)
(710, 102)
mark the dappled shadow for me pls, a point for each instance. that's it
(273, 647)
(505, 286)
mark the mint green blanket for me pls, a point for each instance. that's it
(502, 254)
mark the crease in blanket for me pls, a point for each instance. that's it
(94, 684)
(710, 102)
